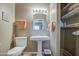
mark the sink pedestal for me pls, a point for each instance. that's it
(39, 51)
(39, 40)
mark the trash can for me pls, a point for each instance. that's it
(47, 52)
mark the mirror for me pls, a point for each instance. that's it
(38, 24)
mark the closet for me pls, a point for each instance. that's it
(69, 24)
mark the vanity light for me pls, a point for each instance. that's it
(40, 10)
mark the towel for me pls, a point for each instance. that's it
(52, 26)
(21, 24)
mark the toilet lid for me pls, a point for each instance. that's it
(15, 50)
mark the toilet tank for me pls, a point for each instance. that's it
(21, 41)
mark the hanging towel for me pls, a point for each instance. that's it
(21, 24)
(51, 26)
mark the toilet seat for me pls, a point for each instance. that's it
(15, 50)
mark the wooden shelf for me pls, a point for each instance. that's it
(68, 5)
(73, 6)
(73, 10)
(69, 27)
(72, 26)
(71, 13)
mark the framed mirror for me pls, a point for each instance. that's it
(38, 24)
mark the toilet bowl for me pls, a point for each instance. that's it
(15, 51)
(21, 43)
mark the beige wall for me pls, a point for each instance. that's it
(24, 11)
(55, 36)
(6, 28)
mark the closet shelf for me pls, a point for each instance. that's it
(69, 27)
(69, 4)
(71, 13)
(75, 25)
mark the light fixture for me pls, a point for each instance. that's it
(40, 10)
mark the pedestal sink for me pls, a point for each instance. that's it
(39, 40)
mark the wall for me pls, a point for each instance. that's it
(55, 36)
(24, 11)
(6, 28)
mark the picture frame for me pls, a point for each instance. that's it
(5, 16)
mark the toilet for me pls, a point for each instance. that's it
(21, 44)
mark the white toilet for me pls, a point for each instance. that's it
(21, 44)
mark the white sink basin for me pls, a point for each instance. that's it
(37, 38)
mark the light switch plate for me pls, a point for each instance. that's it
(0, 15)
